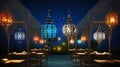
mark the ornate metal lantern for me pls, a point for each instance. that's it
(99, 35)
(83, 38)
(5, 18)
(112, 19)
(49, 30)
(69, 28)
(36, 38)
(19, 35)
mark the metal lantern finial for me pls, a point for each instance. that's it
(49, 18)
(69, 19)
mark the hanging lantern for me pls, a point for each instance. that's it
(49, 30)
(36, 38)
(41, 41)
(83, 38)
(112, 19)
(79, 41)
(99, 35)
(69, 29)
(19, 35)
(72, 41)
(5, 17)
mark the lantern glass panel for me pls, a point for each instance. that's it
(99, 36)
(19, 35)
(48, 31)
(69, 29)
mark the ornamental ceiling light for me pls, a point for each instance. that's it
(49, 30)
(69, 29)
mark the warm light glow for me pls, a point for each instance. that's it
(41, 41)
(54, 48)
(83, 38)
(111, 19)
(72, 41)
(63, 43)
(36, 38)
(59, 48)
(5, 18)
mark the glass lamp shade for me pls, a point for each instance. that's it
(19, 35)
(48, 31)
(99, 36)
(69, 29)
(111, 19)
(5, 17)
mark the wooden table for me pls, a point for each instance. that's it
(12, 63)
(108, 63)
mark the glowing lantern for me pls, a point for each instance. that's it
(19, 35)
(99, 35)
(69, 29)
(59, 48)
(72, 41)
(49, 30)
(41, 41)
(5, 18)
(79, 41)
(36, 38)
(111, 19)
(83, 38)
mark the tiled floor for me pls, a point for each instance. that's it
(59, 61)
